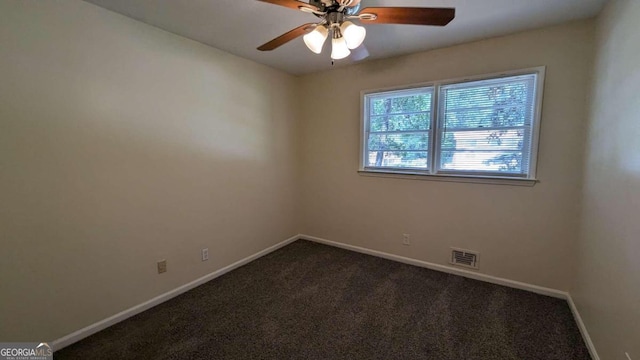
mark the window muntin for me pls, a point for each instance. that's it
(485, 127)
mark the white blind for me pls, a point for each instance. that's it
(398, 129)
(485, 126)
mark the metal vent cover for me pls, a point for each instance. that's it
(466, 258)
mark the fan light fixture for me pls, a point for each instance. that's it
(345, 36)
(339, 48)
(315, 39)
(335, 19)
(353, 34)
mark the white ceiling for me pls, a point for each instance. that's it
(240, 26)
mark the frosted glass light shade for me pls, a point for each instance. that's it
(315, 39)
(339, 49)
(353, 34)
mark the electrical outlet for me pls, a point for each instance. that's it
(205, 254)
(406, 239)
(162, 266)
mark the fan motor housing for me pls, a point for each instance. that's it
(321, 3)
(334, 6)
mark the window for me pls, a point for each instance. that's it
(485, 127)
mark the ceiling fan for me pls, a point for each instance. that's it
(335, 20)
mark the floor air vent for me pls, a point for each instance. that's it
(464, 258)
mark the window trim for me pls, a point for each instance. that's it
(432, 173)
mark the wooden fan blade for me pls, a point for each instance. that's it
(286, 37)
(410, 15)
(291, 4)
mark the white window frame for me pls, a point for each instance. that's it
(435, 133)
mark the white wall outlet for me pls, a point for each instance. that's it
(205, 254)
(406, 239)
(162, 266)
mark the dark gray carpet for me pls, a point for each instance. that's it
(310, 301)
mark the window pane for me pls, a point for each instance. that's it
(500, 92)
(487, 161)
(485, 117)
(398, 124)
(412, 141)
(397, 159)
(420, 121)
(398, 103)
(486, 125)
(501, 139)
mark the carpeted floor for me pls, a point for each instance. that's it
(311, 301)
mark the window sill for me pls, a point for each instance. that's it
(450, 178)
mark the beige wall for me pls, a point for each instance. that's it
(523, 233)
(607, 290)
(121, 144)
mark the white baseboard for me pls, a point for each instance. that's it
(447, 269)
(123, 315)
(583, 328)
